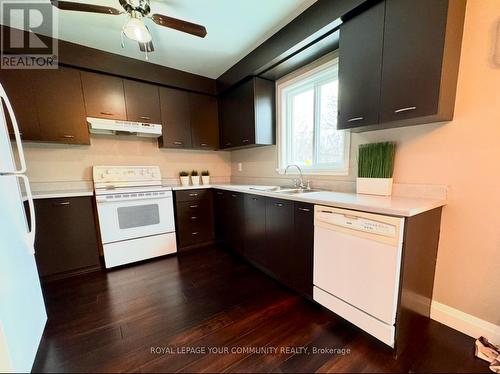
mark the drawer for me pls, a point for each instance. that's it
(192, 195)
(202, 217)
(195, 234)
(199, 208)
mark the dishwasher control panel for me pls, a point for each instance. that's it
(357, 223)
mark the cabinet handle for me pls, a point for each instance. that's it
(64, 203)
(245, 140)
(278, 204)
(305, 209)
(193, 194)
(195, 233)
(193, 218)
(193, 206)
(407, 109)
(107, 113)
(144, 117)
(204, 144)
(355, 119)
(68, 136)
(254, 198)
(234, 195)
(220, 193)
(178, 143)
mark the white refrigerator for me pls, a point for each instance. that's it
(22, 309)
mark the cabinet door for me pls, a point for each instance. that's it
(255, 230)
(360, 66)
(220, 198)
(413, 52)
(238, 116)
(66, 237)
(175, 120)
(18, 86)
(204, 121)
(142, 101)
(279, 236)
(104, 96)
(234, 221)
(60, 106)
(302, 266)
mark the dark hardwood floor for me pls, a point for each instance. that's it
(123, 320)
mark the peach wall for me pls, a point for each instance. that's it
(464, 155)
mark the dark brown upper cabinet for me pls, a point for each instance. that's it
(420, 60)
(360, 64)
(104, 96)
(247, 115)
(17, 85)
(142, 101)
(204, 121)
(175, 119)
(60, 106)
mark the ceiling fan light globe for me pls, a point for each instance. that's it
(135, 29)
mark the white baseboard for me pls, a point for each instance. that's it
(464, 322)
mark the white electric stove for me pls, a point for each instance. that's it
(135, 213)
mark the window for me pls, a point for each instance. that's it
(307, 122)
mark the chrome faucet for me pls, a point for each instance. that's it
(300, 182)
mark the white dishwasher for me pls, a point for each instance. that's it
(357, 259)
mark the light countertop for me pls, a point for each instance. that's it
(392, 205)
(62, 193)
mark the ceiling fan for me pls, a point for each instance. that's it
(135, 28)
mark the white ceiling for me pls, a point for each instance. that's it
(235, 27)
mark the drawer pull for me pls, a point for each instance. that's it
(178, 143)
(234, 195)
(193, 218)
(68, 136)
(193, 194)
(407, 109)
(245, 140)
(305, 209)
(145, 117)
(279, 205)
(107, 113)
(63, 203)
(220, 193)
(193, 206)
(204, 144)
(254, 198)
(355, 119)
(195, 233)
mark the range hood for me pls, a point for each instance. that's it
(117, 127)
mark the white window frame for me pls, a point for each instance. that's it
(311, 76)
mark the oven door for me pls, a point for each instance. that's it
(135, 218)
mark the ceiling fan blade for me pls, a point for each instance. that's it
(146, 47)
(180, 25)
(81, 7)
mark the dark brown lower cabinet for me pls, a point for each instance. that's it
(233, 217)
(194, 217)
(66, 239)
(279, 238)
(275, 235)
(303, 247)
(255, 230)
